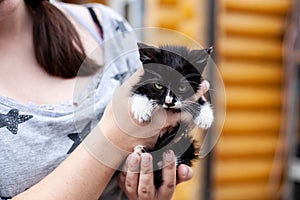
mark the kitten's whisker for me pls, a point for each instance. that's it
(191, 109)
(154, 103)
(188, 102)
(192, 106)
(212, 90)
(186, 105)
(186, 109)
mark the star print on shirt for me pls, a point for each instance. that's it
(12, 119)
(120, 77)
(78, 137)
(121, 26)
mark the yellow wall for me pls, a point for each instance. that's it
(248, 162)
(184, 16)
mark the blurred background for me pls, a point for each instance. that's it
(257, 52)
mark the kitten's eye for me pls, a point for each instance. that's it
(182, 88)
(158, 86)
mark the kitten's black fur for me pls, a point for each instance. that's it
(180, 70)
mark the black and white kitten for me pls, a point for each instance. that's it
(172, 74)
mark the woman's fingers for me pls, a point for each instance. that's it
(132, 176)
(185, 173)
(167, 188)
(138, 180)
(203, 88)
(146, 188)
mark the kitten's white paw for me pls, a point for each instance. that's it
(141, 108)
(139, 149)
(206, 117)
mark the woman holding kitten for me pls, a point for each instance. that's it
(43, 50)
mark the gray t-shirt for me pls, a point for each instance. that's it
(35, 139)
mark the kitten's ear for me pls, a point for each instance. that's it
(148, 53)
(200, 57)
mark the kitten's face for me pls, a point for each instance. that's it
(172, 74)
(168, 87)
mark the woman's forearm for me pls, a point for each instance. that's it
(81, 176)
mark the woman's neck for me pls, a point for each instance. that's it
(15, 22)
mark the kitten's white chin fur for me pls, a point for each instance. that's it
(206, 117)
(142, 108)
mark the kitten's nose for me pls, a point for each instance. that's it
(169, 100)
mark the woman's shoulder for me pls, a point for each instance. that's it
(82, 11)
(72, 11)
(82, 16)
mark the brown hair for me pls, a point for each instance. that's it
(58, 48)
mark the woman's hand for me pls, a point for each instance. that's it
(137, 178)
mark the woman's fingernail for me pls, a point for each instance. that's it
(133, 160)
(184, 171)
(146, 159)
(169, 156)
